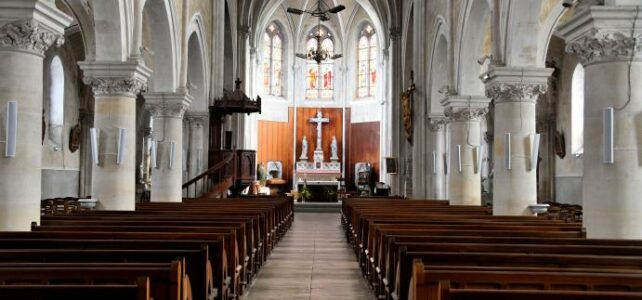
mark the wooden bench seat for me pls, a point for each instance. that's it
(206, 278)
(168, 281)
(138, 291)
(426, 282)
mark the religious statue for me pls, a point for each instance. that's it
(319, 120)
(406, 107)
(304, 149)
(334, 150)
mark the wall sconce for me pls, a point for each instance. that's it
(153, 154)
(93, 133)
(507, 151)
(434, 163)
(535, 153)
(199, 159)
(459, 158)
(121, 146)
(479, 153)
(608, 156)
(172, 151)
(11, 129)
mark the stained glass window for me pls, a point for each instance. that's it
(367, 62)
(273, 61)
(320, 76)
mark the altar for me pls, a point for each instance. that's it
(319, 177)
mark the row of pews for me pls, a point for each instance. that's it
(432, 250)
(198, 249)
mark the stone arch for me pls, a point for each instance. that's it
(522, 33)
(197, 65)
(159, 36)
(474, 43)
(113, 33)
(438, 71)
(229, 49)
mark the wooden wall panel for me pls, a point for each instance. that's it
(334, 128)
(364, 147)
(275, 140)
(275, 143)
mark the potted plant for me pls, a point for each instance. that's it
(261, 174)
(305, 193)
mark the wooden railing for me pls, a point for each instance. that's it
(213, 182)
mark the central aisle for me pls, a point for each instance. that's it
(313, 261)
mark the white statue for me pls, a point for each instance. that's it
(320, 120)
(304, 149)
(334, 150)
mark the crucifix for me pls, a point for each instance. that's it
(319, 120)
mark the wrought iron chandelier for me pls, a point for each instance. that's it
(318, 54)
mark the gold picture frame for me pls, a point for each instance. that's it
(392, 167)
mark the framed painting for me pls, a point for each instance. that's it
(391, 165)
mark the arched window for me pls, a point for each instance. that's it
(273, 61)
(367, 62)
(320, 76)
(56, 101)
(577, 111)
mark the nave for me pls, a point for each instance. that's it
(312, 261)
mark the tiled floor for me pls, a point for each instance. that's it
(313, 261)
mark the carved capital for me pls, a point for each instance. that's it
(167, 105)
(517, 84)
(515, 92)
(458, 108)
(28, 35)
(463, 114)
(395, 32)
(197, 119)
(436, 122)
(599, 34)
(115, 78)
(244, 31)
(604, 46)
(129, 87)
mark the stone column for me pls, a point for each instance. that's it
(115, 86)
(611, 51)
(464, 115)
(393, 108)
(26, 32)
(167, 111)
(515, 91)
(197, 145)
(436, 157)
(242, 120)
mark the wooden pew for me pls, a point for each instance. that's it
(138, 291)
(459, 241)
(206, 278)
(168, 281)
(427, 284)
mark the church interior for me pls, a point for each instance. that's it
(320, 149)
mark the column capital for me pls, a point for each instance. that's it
(197, 118)
(458, 108)
(244, 31)
(31, 26)
(115, 78)
(436, 122)
(601, 34)
(516, 84)
(395, 32)
(167, 105)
